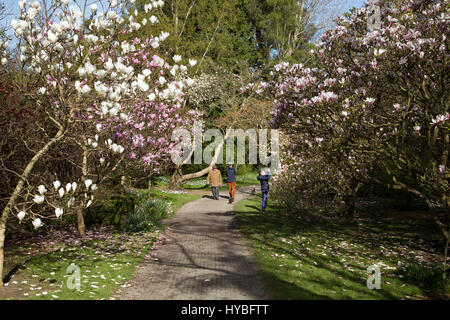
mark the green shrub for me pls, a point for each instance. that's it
(425, 277)
(112, 211)
(148, 215)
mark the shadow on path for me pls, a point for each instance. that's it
(203, 257)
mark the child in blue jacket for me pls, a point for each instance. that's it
(263, 178)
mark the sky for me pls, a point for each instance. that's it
(354, 3)
(12, 9)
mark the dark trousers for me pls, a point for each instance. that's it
(265, 197)
(215, 192)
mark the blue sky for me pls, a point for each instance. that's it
(12, 5)
(354, 3)
(12, 8)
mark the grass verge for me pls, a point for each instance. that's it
(106, 259)
(302, 259)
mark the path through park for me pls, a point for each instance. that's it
(202, 256)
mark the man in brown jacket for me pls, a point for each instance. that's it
(215, 180)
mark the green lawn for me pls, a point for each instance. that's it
(105, 265)
(177, 199)
(107, 258)
(302, 259)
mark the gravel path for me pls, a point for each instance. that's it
(200, 257)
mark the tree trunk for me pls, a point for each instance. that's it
(80, 221)
(350, 202)
(2, 245)
(123, 187)
(18, 189)
(350, 206)
(177, 180)
(81, 226)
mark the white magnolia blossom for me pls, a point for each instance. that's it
(88, 183)
(146, 72)
(154, 42)
(35, 4)
(164, 36)
(37, 223)
(42, 189)
(59, 212)
(90, 68)
(177, 58)
(117, 148)
(21, 215)
(52, 37)
(148, 7)
(85, 89)
(71, 202)
(22, 4)
(153, 19)
(38, 199)
(101, 73)
(93, 8)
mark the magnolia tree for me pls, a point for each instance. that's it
(395, 79)
(96, 88)
(312, 180)
(321, 139)
(379, 95)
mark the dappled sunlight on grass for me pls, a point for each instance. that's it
(107, 258)
(302, 259)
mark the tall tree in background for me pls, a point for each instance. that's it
(282, 29)
(228, 32)
(213, 32)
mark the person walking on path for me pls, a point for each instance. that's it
(231, 180)
(263, 178)
(215, 180)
